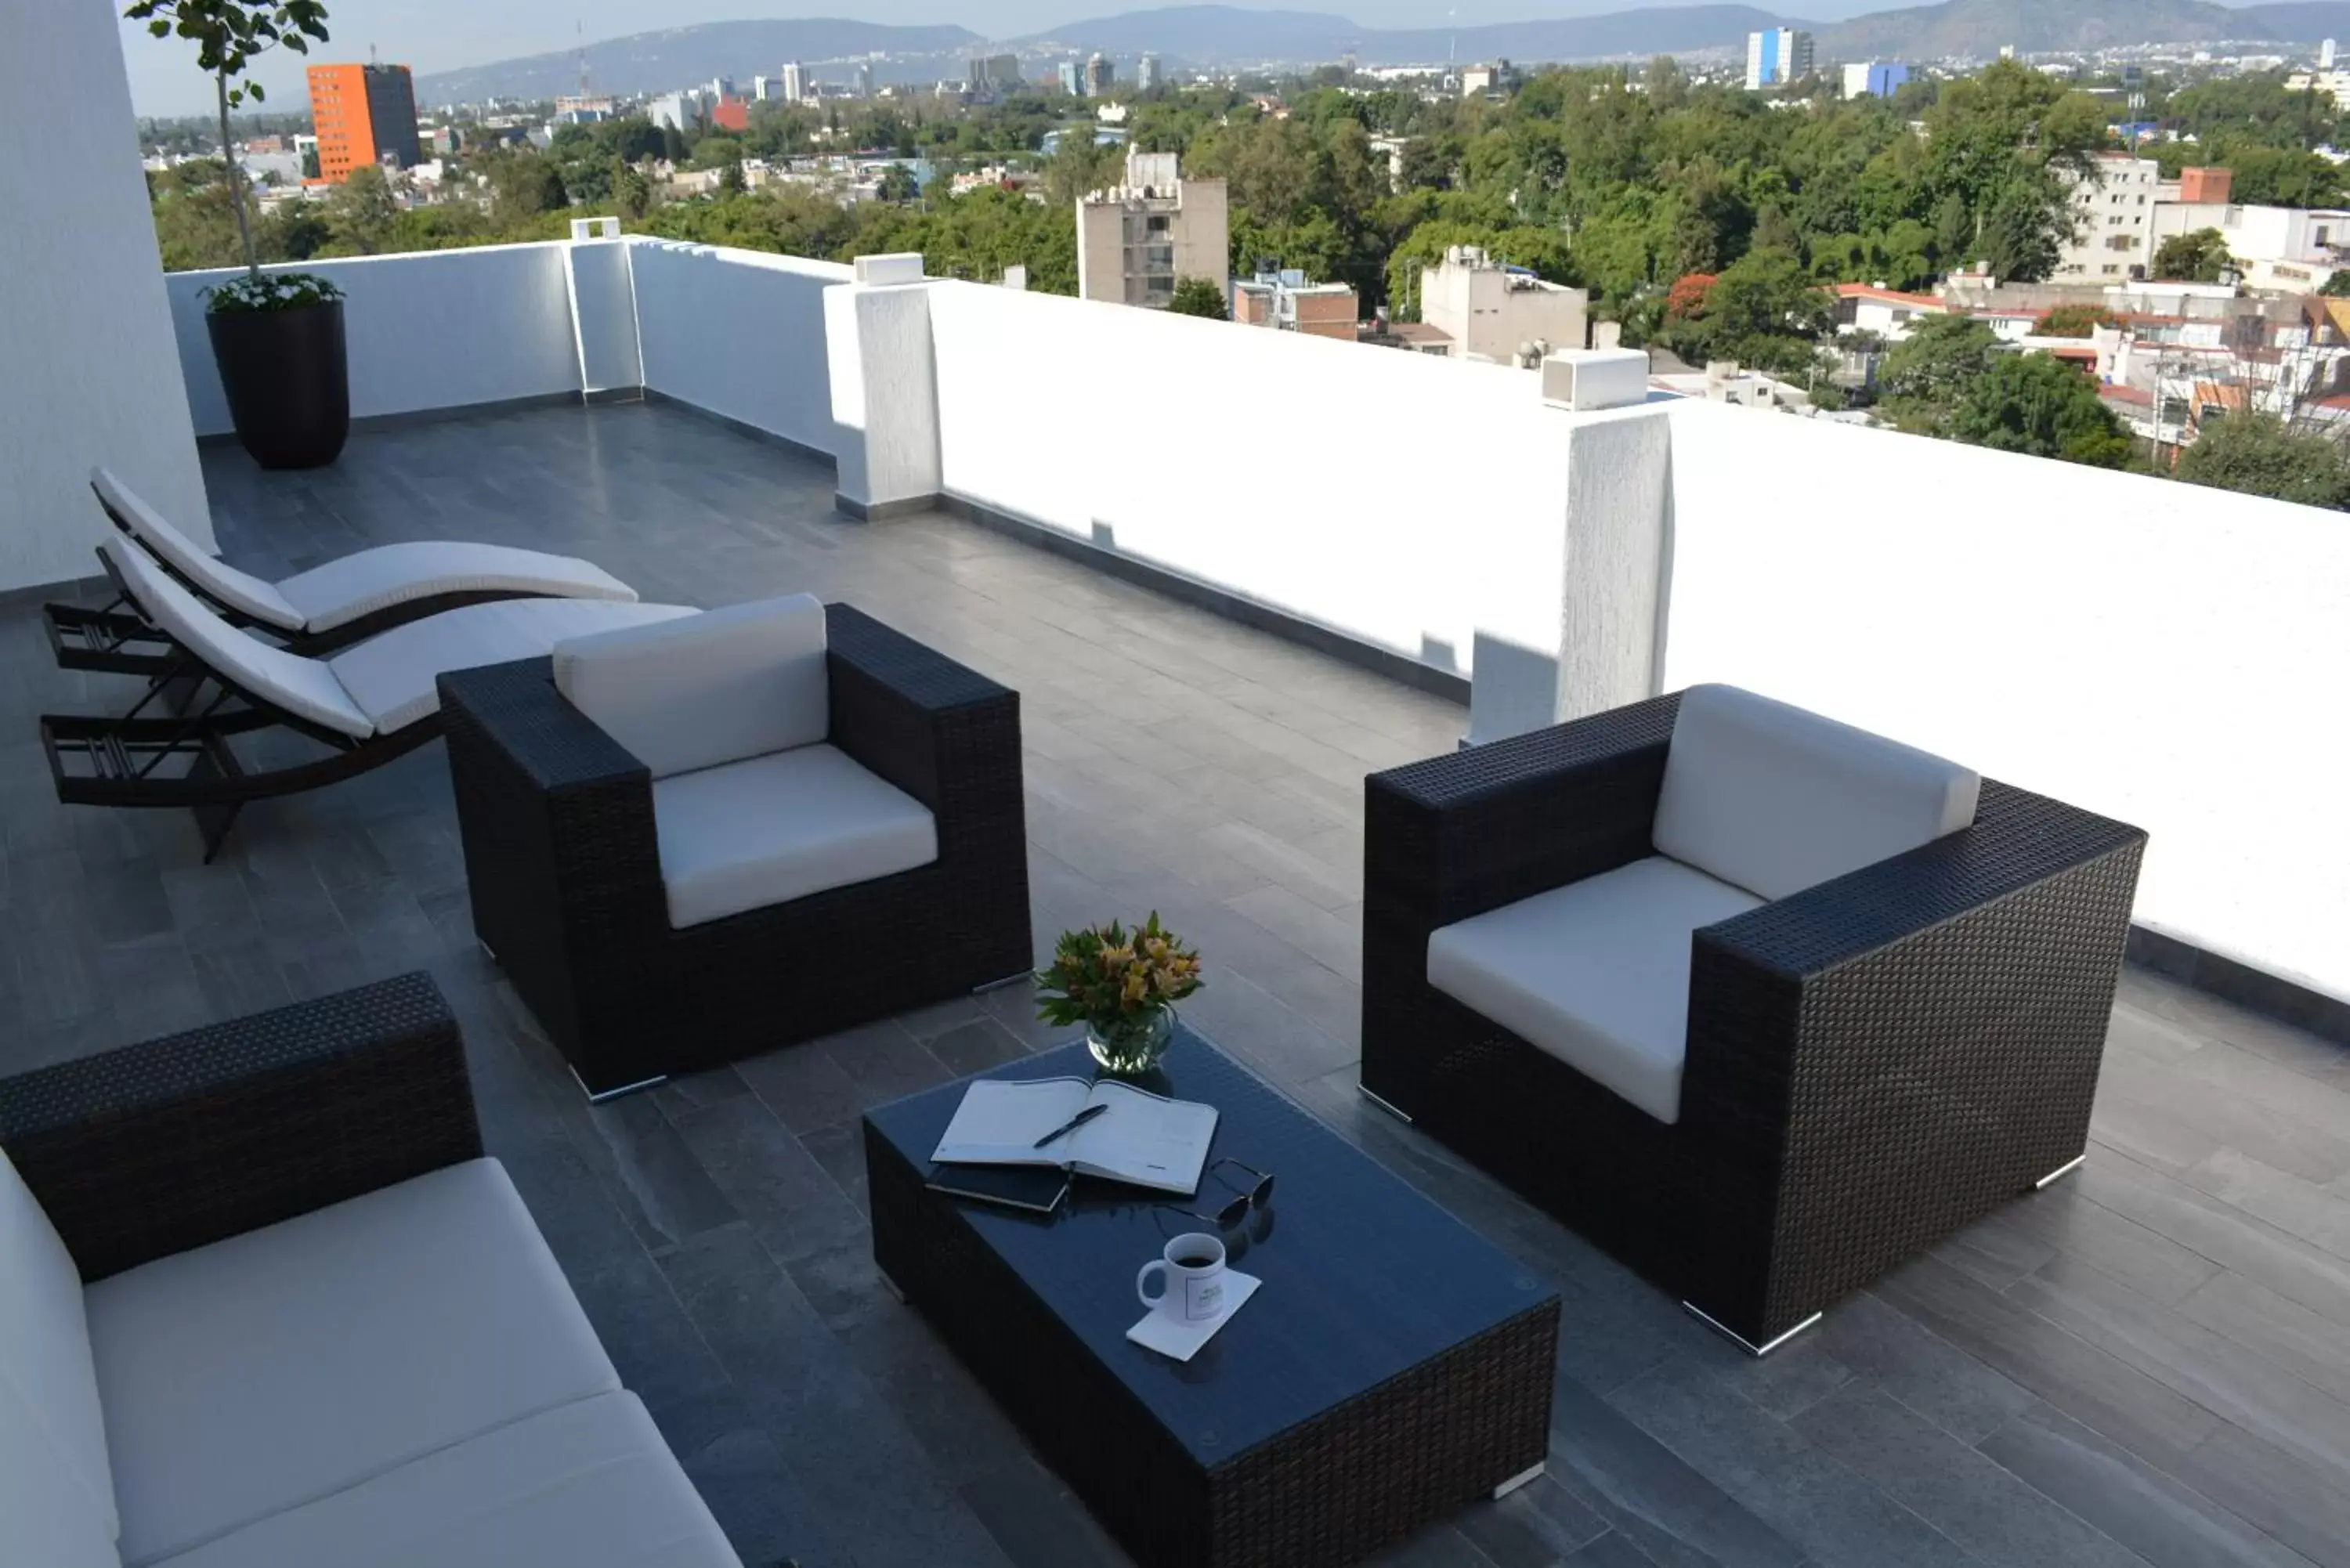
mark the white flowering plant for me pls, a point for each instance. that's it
(270, 291)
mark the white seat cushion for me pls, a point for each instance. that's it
(738, 682)
(45, 1357)
(360, 584)
(271, 1369)
(1776, 799)
(754, 833)
(303, 687)
(1595, 972)
(590, 1485)
(241, 591)
(390, 676)
(47, 1515)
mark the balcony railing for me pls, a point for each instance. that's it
(2169, 655)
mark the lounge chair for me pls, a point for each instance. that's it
(369, 703)
(345, 601)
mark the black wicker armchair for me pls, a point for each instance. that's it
(566, 882)
(1871, 1063)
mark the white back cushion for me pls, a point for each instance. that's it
(299, 685)
(705, 690)
(45, 1516)
(238, 590)
(1773, 799)
(48, 1383)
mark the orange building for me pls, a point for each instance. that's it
(362, 114)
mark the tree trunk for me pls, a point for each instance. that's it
(235, 178)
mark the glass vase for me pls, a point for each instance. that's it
(1132, 1045)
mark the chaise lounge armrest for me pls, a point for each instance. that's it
(155, 1149)
(1460, 834)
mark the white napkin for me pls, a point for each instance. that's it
(1168, 1336)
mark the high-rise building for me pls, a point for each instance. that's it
(2112, 209)
(362, 114)
(795, 82)
(1072, 78)
(1146, 73)
(2325, 56)
(1134, 240)
(1776, 56)
(861, 78)
(995, 73)
(1100, 75)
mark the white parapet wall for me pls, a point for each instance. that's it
(427, 331)
(2172, 656)
(739, 334)
(1401, 502)
(85, 333)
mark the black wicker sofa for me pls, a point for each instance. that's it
(601, 852)
(1869, 1063)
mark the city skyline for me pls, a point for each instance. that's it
(429, 36)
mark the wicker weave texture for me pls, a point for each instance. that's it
(154, 1148)
(1872, 1064)
(565, 870)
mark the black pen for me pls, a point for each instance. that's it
(1072, 1124)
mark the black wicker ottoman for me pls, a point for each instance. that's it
(1394, 1368)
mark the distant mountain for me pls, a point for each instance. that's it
(679, 56)
(2303, 23)
(1220, 35)
(1980, 28)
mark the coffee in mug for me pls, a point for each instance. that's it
(1191, 1272)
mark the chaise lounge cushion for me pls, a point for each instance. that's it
(393, 676)
(351, 586)
(282, 1365)
(754, 833)
(1775, 799)
(241, 591)
(738, 682)
(588, 1485)
(48, 1384)
(1597, 973)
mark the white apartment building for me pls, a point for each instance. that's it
(2288, 250)
(1496, 312)
(2113, 221)
(1776, 56)
(1136, 239)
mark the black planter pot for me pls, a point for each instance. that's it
(288, 384)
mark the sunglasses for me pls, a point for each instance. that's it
(1257, 1194)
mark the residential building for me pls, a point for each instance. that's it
(1072, 78)
(860, 80)
(993, 73)
(1889, 313)
(363, 115)
(730, 114)
(1874, 79)
(1281, 298)
(677, 111)
(1135, 240)
(2113, 209)
(1146, 73)
(2289, 250)
(795, 83)
(1490, 310)
(1412, 337)
(1777, 55)
(1476, 81)
(1099, 74)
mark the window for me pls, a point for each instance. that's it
(2108, 270)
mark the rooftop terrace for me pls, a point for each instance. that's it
(2146, 1364)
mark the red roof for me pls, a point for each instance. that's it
(1890, 296)
(2127, 395)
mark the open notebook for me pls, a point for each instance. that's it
(1140, 1137)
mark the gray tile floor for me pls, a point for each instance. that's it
(2148, 1363)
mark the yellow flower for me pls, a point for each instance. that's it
(1137, 981)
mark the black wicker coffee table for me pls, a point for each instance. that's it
(1394, 1366)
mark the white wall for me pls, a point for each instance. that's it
(1404, 501)
(434, 330)
(738, 333)
(86, 351)
(2172, 656)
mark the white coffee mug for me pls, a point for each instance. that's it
(1193, 1288)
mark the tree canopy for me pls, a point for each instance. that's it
(2198, 257)
(1200, 297)
(2038, 404)
(2260, 453)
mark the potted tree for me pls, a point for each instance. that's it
(277, 337)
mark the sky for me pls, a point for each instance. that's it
(441, 35)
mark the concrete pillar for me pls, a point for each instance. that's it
(885, 396)
(598, 273)
(1594, 638)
